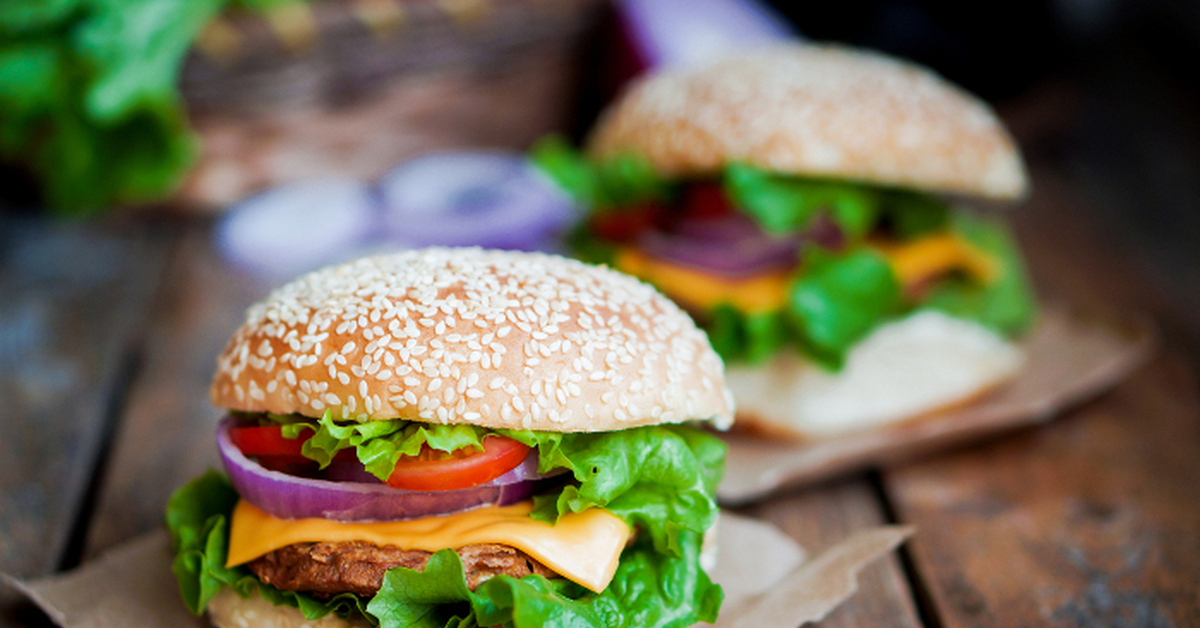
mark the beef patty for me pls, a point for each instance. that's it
(326, 569)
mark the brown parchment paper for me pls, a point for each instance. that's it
(768, 581)
(1069, 358)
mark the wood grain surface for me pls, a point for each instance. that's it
(1088, 520)
(166, 432)
(74, 301)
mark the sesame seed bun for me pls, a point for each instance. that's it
(822, 111)
(497, 339)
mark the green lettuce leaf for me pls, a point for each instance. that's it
(748, 338)
(608, 185)
(841, 298)
(89, 102)
(137, 48)
(909, 214)
(25, 16)
(568, 168)
(378, 444)
(198, 520)
(783, 204)
(648, 590)
(1006, 304)
(659, 478)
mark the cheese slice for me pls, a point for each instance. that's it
(913, 262)
(765, 292)
(926, 258)
(583, 547)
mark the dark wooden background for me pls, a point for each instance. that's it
(109, 330)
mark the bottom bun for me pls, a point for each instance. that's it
(905, 369)
(230, 610)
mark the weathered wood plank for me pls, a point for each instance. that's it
(1092, 519)
(74, 298)
(822, 516)
(166, 432)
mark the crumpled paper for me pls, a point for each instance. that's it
(1069, 358)
(769, 581)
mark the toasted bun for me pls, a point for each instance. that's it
(903, 370)
(229, 610)
(492, 338)
(821, 111)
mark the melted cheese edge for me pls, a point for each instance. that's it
(765, 292)
(583, 547)
(913, 262)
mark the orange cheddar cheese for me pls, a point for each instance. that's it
(917, 261)
(583, 547)
(760, 293)
(913, 262)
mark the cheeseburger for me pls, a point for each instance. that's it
(459, 437)
(796, 201)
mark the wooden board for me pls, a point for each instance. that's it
(166, 432)
(1085, 521)
(1078, 523)
(74, 300)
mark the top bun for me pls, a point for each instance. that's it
(497, 339)
(822, 111)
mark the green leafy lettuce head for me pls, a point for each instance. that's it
(431, 355)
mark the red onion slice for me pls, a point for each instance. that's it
(731, 245)
(353, 471)
(489, 199)
(291, 497)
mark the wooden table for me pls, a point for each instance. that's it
(109, 332)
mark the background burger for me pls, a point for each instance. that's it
(785, 197)
(455, 437)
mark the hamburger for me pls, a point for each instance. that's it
(805, 204)
(459, 437)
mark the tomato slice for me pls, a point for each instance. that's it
(433, 470)
(266, 441)
(705, 199)
(626, 224)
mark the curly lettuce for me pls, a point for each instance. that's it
(609, 185)
(660, 479)
(379, 445)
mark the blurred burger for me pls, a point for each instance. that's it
(796, 200)
(458, 437)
